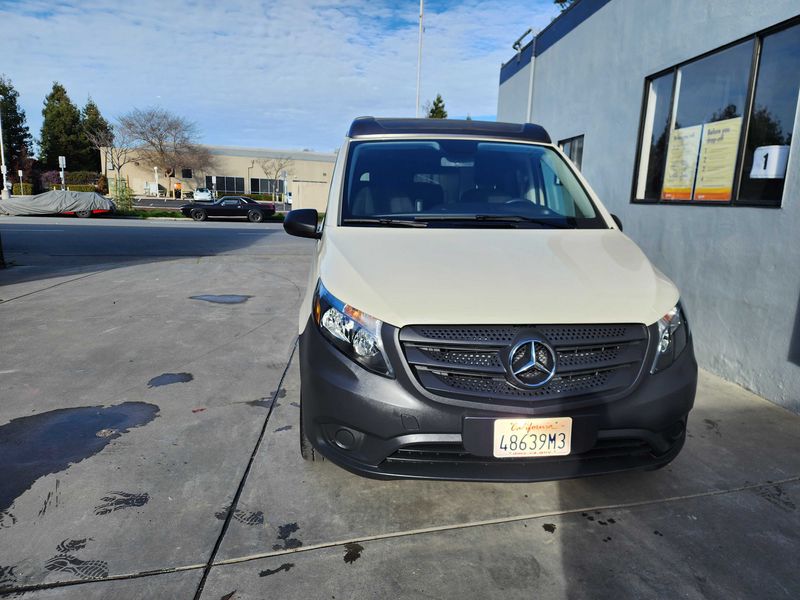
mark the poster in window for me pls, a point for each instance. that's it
(717, 162)
(679, 174)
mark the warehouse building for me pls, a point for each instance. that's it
(683, 116)
(304, 176)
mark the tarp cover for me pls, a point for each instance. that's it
(55, 202)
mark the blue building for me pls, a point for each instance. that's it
(683, 116)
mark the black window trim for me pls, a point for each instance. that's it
(573, 138)
(758, 38)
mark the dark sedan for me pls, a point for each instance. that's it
(229, 206)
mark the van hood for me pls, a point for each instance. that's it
(493, 276)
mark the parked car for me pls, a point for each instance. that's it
(229, 206)
(203, 195)
(59, 202)
(474, 312)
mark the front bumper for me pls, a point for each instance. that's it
(387, 428)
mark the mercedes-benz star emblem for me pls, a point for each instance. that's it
(532, 363)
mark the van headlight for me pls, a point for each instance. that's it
(673, 336)
(352, 331)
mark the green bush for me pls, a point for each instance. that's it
(80, 188)
(81, 177)
(25, 190)
(121, 193)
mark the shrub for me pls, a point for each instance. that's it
(25, 190)
(81, 177)
(80, 188)
(50, 179)
(123, 196)
(102, 184)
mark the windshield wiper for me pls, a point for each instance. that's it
(494, 219)
(385, 222)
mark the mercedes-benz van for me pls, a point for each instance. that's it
(473, 312)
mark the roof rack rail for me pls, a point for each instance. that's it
(372, 126)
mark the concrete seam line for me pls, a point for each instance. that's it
(245, 475)
(50, 287)
(120, 577)
(241, 559)
(498, 521)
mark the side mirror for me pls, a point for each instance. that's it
(302, 223)
(617, 221)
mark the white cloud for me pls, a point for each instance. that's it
(283, 73)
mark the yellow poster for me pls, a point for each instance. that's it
(679, 174)
(717, 161)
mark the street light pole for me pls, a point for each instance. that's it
(3, 167)
(419, 52)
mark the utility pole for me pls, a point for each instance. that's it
(3, 167)
(419, 52)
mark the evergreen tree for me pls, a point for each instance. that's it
(436, 109)
(94, 127)
(16, 136)
(61, 133)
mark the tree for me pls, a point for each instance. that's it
(436, 108)
(61, 133)
(116, 143)
(94, 127)
(165, 140)
(16, 136)
(564, 4)
(274, 168)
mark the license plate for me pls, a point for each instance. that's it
(532, 437)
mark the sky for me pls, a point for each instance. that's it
(287, 74)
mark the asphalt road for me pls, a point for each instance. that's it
(148, 422)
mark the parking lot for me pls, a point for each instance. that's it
(149, 394)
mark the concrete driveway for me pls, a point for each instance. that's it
(148, 449)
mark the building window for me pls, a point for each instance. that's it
(717, 130)
(266, 186)
(772, 119)
(227, 185)
(573, 148)
(186, 174)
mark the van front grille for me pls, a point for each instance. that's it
(468, 362)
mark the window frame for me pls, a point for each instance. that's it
(755, 63)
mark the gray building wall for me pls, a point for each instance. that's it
(738, 268)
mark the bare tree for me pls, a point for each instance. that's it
(165, 140)
(117, 144)
(119, 148)
(274, 168)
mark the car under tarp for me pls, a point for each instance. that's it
(57, 202)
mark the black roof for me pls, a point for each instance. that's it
(529, 132)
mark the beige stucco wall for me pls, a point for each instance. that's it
(309, 173)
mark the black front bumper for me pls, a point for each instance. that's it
(389, 428)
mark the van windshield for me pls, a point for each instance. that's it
(462, 183)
